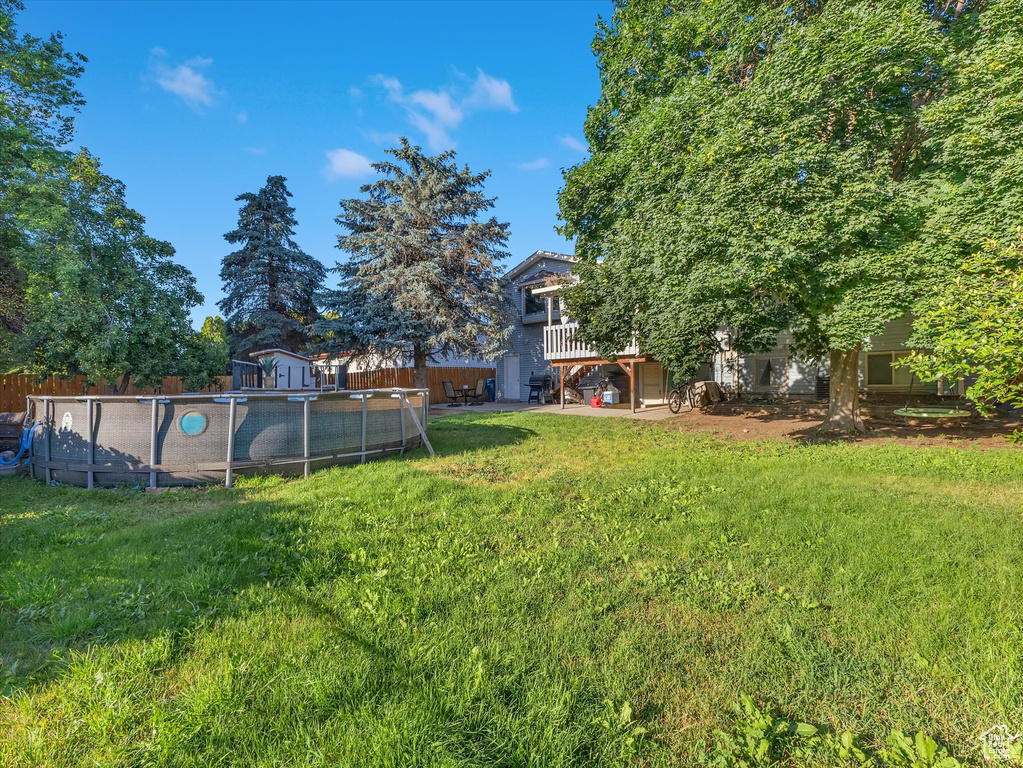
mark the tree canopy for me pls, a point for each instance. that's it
(421, 277)
(970, 326)
(270, 283)
(103, 298)
(763, 166)
(38, 81)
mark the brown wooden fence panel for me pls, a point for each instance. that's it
(16, 387)
(385, 378)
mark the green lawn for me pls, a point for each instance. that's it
(548, 591)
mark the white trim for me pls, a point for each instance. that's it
(536, 257)
(276, 351)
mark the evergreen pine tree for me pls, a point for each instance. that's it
(269, 282)
(421, 279)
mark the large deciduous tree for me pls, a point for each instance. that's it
(757, 166)
(421, 277)
(206, 355)
(270, 283)
(38, 99)
(971, 327)
(103, 298)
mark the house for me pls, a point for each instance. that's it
(525, 355)
(544, 341)
(292, 370)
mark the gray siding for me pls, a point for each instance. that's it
(526, 339)
(801, 376)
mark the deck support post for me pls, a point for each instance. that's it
(561, 377)
(632, 386)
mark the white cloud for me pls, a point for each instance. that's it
(490, 93)
(345, 164)
(186, 80)
(535, 165)
(437, 113)
(256, 150)
(573, 143)
(440, 105)
(243, 117)
(382, 137)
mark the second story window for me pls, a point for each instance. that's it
(534, 305)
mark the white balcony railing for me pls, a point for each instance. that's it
(561, 343)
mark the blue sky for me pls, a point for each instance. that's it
(191, 104)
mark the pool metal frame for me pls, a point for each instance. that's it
(232, 399)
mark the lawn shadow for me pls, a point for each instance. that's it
(81, 569)
(471, 432)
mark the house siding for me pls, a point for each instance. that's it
(801, 376)
(526, 339)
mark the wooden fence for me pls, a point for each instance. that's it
(16, 387)
(386, 378)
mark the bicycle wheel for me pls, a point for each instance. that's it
(675, 401)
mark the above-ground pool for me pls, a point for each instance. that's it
(201, 438)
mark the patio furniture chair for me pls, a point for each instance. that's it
(479, 393)
(450, 394)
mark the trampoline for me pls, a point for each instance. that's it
(174, 440)
(932, 413)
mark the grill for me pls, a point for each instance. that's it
(540, 388)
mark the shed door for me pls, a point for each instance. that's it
(512, 387)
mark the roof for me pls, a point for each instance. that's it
(277, 351)
(534, 258)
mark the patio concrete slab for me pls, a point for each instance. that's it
(655, 413)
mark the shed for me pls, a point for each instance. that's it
(293, 371)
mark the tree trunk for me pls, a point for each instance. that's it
(123, 387)
(419, 367)
(844, 399)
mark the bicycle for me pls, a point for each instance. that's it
(680, 394)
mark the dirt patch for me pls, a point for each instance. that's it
(800, 422)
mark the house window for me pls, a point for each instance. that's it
(879, 369)
(534, 305)
(883, 370)
(772, 372)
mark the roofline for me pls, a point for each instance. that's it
(536, 256)
(261, 352)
